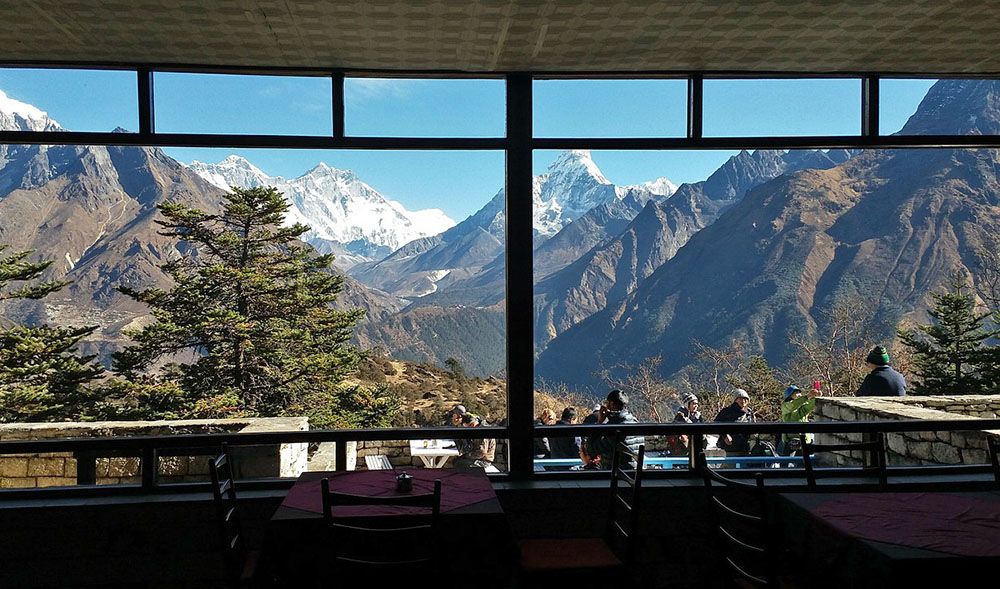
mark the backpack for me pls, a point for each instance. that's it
(762, 449)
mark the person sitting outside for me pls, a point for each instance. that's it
(542, 449)
(475, 453)
(565, 446)
(589, 461)
(455, 416)
(883, 380)
(796, 408)
(688, 413)
(614, 411)
(738, 411)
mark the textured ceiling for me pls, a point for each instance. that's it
(943, 36)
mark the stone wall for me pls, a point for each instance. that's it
(48, 470)
(913, 448)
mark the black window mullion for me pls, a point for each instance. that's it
(695, 106)
(870, 106)
(520, 340)
(338, 105)
(144, 86)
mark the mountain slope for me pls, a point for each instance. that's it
(91, 209)
(887, 225)
(615, 267)
(568, 193)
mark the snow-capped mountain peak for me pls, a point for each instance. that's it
(21, 116)
(576, 162)
(662, 186)
(234, 171)
(336, 205)
(572, 185)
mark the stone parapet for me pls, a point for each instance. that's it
(912, 448)
(60, 469)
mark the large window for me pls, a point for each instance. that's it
(690, 267)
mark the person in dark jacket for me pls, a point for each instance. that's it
(738, 411)
(565, 446)
(475, 453)
(542, 449)
(614, 411)
(688, 413)
(883, 380)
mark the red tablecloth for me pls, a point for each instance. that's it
(459, 489)
(953, 524)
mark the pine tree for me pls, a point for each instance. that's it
(251, 304)
(948, 353)
(42, 377)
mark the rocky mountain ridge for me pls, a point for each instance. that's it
(886, 227)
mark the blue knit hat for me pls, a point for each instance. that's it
(791, 390)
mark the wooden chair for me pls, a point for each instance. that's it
(875, 460)
(743, 526)
(994, 446)
(382, 549)
(596, 561)
(241, 564)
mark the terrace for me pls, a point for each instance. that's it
(129, 503)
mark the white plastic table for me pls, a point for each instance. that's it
(433, 453)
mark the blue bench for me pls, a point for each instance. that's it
(668, 462)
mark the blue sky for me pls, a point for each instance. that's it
(457, 182)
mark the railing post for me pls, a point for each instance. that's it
(86, 467)
(694, 450)
(148, 464)
(340, 454)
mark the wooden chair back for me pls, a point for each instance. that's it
(874, 465)
(227, 512)
(626, 485)
(743, 527)
(994, 445)
(389, 546)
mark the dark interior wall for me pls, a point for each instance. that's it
(172, 541)
(87, 543)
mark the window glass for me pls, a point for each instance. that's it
(242, 104)
(33, 99)
(610, 108)
(780, 107)
(387, 107)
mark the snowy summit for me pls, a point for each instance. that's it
(336, 204)
(21, 116)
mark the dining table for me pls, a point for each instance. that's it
(433, 453)
(889, 539)
(474, 533)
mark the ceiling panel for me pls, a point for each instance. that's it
(939, 36)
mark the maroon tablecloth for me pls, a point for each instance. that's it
(950, 523)
(459, 489)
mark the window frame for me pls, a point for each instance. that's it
(518, 145)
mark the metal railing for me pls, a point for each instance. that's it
(150, 448)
